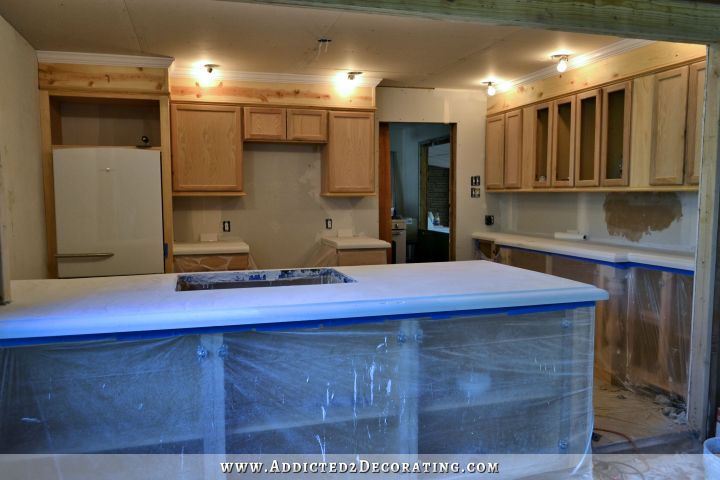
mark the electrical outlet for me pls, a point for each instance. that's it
(226, 226)
(328, 223)
(489, 220)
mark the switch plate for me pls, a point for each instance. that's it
(226, 226)
(489, 220)
(328, 223)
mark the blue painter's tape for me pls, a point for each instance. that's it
(618, 265)
(269, 327)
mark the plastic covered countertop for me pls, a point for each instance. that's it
(593, 251)
(51, 308)
(355, 243)
(211, 248)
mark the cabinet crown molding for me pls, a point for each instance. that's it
(262, 77)
(79, 58)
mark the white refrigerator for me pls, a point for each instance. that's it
(108, 211)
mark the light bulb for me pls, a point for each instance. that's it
(562, 64)
(208, 75)
(491, 90)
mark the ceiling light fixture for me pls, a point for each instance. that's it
(351, 75)
(562, 62)
(490, 88)
(208, 75)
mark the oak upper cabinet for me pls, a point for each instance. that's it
(615, 139)
(495, 152)
(512, 171)
(305, 125)
(265, 123)
(348, 164)
(206, 148)
(696, 96)
(541, 138)
(563, 142)
(667, 158)
(587, 138)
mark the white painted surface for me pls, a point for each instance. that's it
(593, 251)
(211, 248)
(20, 160)
(355, 243)
(546, 213)
(46, 308)
(467, 109)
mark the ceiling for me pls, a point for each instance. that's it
(410, 52)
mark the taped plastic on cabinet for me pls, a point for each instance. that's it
(462, 385)
(642, 331)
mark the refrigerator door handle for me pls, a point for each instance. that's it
(84, 255)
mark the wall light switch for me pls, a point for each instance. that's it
(328, 223)
(226, 226)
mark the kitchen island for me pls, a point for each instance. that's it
(462, 358)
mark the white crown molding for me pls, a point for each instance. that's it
(47, 56)
(260, 77)
(583, 60)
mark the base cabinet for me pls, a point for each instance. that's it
(210, 263)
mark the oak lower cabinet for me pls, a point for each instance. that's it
(348, 164)
(210, 263)
(207, 148)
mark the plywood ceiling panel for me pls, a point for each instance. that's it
(404, 51)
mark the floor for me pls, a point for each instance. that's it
(629, 422)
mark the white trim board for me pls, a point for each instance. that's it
(77, 58)
(261, 77)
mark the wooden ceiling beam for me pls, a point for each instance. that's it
(667, 20)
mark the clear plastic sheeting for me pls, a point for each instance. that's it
(642, 331)
(447, 385)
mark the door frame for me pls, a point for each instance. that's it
(385, 185)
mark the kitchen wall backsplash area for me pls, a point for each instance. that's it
(282, 218)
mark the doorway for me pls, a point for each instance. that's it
(417, 167)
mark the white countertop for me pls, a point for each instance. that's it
(593, 251)
(355, 243)
(211, 248)
(46, 308)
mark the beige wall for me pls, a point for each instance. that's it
(20, 155)
(467, 109)
(282, 217)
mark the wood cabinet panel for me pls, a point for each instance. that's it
(206, 148)
(696, 98)
(512, 176)
(494, 152)
(667, 160)
(587, 138)
(348, 166)
(263, 123)
(615, 140)
(307, 125)
(563, 142)
(541, 138)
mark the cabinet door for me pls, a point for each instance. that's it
(542, 144)
(563, 142)
(206, 148)
(307, 125)
(513, 149)
(615, 140)
(696, 98)
(348, 161)
(667, 160)
(587, 138)
(263, 123)
(494, 151)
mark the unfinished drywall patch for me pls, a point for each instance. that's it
(633, 215)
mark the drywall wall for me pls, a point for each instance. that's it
(653, 220)
(20, 155)
(282, 217)
(467, 109)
